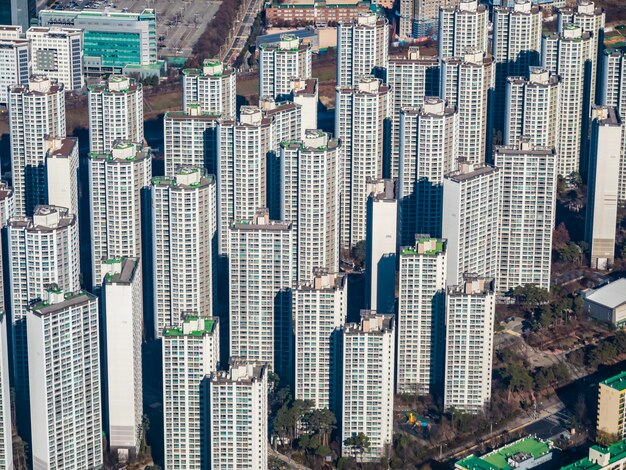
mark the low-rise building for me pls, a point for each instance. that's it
(611, 411)
(316, 12)
(608, 303)
(602, 458)
(524, 453)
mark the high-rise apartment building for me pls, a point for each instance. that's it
(115, 42)
(527, 213)
(310, 189)
(532, 109)
(191, 352)
(115, 112)
(64, 364)
(280, 62)
(212, 87)
(6, 428)
(123, 324)
(428, 151)
(36, 111)
(611, 410)
(463, 28)
(471, 212)
(58, 54)
(360, 116)
(613, 93)
(591, 19)
(18, 13)
(238, 410)
(261, 277)
(367, 383)
(380, 246)
(467, 83)
(43, 250)
(190, 139)
(362, 46)
(184, 246)
(248, 167)
(470, 312)
(15, 68)
(603, 185)
(62, 173)
(566, 55)
(419, 18)
(516, 47)
(116, 180)
(421, 317)
(412, 78)
(304, 92)
(320, 308)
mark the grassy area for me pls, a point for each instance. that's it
(160, 103)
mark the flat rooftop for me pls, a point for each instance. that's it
(618, 382)
(610, 296)
(499, 458)
(617, 452)
(208, 325)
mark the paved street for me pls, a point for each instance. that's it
(244, 28)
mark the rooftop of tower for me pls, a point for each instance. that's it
(425, 246)
(193, 326)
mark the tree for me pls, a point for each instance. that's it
(359, 443)
(560, 236)
(605, 439)
(518, 378)
(359, 253)
(530, 296)
(570, 253)
(322, 422)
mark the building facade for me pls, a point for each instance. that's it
(115, 112)
(123, 323)
(184, 246)
(320, 308)
(470, 312)
(462, 28)
(15, 68)
(212, 87)
(191, 352)
(421, 317)
(65, 399)
(280, 62)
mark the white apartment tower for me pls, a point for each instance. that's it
(62, 172)
(237, 400)
(466, 83)
(115, 112)
(604, 161)
(471, 212)
(304, 92)
(463, 28)
(532, 109)
(360, 116)
(280, 62)
(123, 323)
(613, 93)
(566, 55)
(320, 308)
(527, 212)
(419, 18)
(368, 359)
(470, 312)
(380, 245)
(213, 87)
(428, 151)
(362, 46)
(516, 47)
(310, 189)
(261, 276)
(421, 316)
(43, 250)
(15, 68)
(65, 400)
(412, 78)
(184, 246)
(6, 428)
(36, 110)
(116, 180)
(191, 352)
(58, 54)
(592, 20)
(190, 139)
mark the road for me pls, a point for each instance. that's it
(244, 28)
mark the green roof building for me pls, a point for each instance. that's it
(524, 454)
(600, 458)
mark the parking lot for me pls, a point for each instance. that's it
(179, 23)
